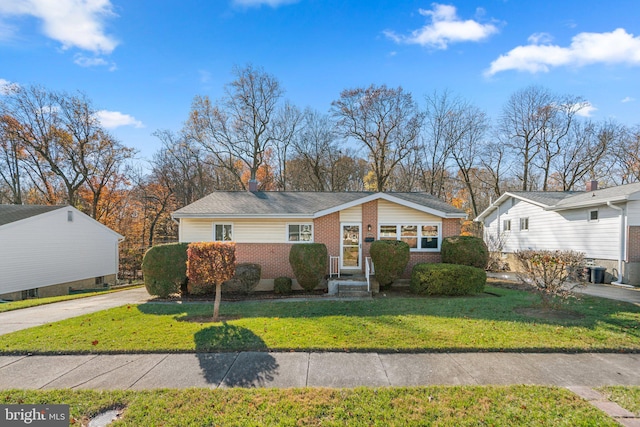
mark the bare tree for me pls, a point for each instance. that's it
(11, 158)
(387, 121)
(241, 125)
(287, 124)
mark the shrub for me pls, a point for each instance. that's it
(164, 268)
(390, 258)
(245, 280)
(465, 250)
(549, 271)
(209, 264)
(309, 263)
(447, 279)
(282, 285)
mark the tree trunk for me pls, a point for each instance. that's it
(216, 304)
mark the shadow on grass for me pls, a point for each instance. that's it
(247, 369)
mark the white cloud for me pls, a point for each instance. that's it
(74, 23)
(5, 86)
(627, 99)
(445, 28)
(538, 38)
(258, 3)
(616, 47)
(96, 61)
(114, 119)
(585, 109)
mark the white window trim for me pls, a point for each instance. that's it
(528, 225)
(213, 231)
(503, 223)
(286, 232)
(589, 215)
(419, 225)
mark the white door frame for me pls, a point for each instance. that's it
(350, 224)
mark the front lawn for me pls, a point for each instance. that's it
(436, 406)
(628, 397)
(476, 323)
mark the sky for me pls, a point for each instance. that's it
(142, 62)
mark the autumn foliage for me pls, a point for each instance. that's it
(209, 264)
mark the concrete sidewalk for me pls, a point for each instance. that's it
(311, 369)
(11, 321)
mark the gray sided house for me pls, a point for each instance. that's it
(604, 224)
(264, 225)
(45, 250)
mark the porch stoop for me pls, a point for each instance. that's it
(352, 287)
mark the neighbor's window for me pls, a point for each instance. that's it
(419, 237)
(69, 216)
(593, 215)
(524, 223)
(506, 225)
(223, 232)
(300, 233)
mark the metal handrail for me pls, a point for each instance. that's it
(368, 271)
(334, 266)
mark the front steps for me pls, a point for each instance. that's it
(349, 287)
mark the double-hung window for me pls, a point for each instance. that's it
(524, 223)
(223, 232)
(302, 233)
(506, 225)
(419, 237)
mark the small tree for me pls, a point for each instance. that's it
(164, 269)
(309, 263)
(390, 257)
(211, 263)
(551, 273)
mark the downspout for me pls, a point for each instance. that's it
(622, 242)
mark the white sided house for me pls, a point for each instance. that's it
(604, 224)
(264, 226)
(46, 250)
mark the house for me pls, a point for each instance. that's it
(604, 224)
(45, 250)
(265, 225)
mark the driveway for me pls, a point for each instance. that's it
(16, 320)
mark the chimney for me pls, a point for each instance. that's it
(592, 185)
(253, 185)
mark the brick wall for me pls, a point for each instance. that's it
(326, 230)
(633, 244)
(369, 217)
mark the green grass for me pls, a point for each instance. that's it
(628, 397)
(435, 406)
(383, 324)
(17, 305)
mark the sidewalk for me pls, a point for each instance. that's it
(311, 369)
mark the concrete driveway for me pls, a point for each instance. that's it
(16, 320)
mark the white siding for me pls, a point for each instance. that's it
(47, 250)
(244, 230)
(633, 213)
(564, 230)
(392, 213)
(353, 214)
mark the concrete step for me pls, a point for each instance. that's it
(353, 294)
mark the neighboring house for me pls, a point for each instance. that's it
(603, 224)
(45, 250)
(265, 225)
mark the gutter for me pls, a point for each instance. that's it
(621, 242)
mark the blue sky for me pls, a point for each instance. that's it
(142, 62)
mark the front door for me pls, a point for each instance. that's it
(350, 246)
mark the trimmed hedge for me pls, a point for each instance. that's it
(447, 279)
(390, 258)
(282, 285)
(309, 263)
(165, 269)
(245, 280)
(465, 250)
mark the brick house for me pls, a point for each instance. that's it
(604, 224)
(264, 225)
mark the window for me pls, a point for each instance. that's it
(524, 223)
(300, 233)
(419, 237)
(99, 280)
(69, 216)
(593, 215)
(223, 232)
(506, 225)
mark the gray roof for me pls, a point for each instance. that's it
(293, 203)
(13, 213)
(548, 198)
(611, 194)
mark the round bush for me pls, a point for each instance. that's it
(245, 280)
(282, 285)
(465, 250)
(447, 279)
(164, 268)
(390, 258)
(309, 263)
